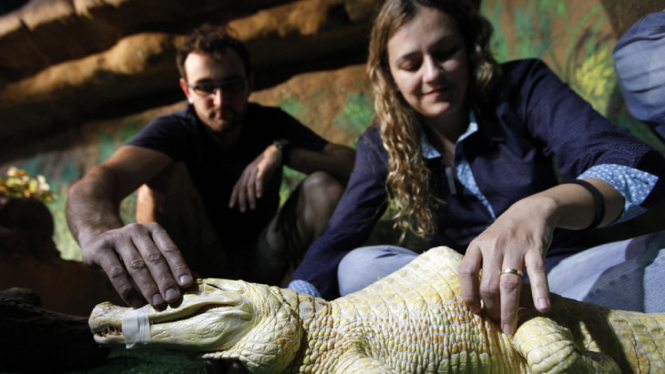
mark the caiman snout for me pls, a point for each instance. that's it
(212, 316)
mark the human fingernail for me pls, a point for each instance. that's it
(172, 294)
(157, 300)
(136, 303)
(543, 303)
(508, 329)
(185, 279)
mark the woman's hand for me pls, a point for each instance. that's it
(518, 239)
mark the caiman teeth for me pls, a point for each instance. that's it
(110, 331)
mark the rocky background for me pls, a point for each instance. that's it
(78, 78)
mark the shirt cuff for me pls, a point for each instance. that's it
(634, 185)
(305, 287)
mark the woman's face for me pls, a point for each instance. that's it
(428, 62)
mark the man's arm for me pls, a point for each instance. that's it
(337, 160)
(140, 259)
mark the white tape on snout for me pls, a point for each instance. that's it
(136, 326)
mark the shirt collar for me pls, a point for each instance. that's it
(429, 152)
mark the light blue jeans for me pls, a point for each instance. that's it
(628, 275)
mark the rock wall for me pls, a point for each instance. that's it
(85, 75)
(29, 259)
(69, 62)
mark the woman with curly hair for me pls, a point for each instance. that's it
(470, 153)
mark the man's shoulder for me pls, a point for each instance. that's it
(185, 117)
(173, 129)
(256, 111)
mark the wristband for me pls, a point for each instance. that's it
(285, 147)
(598, 201)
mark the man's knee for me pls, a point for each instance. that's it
(322, 188)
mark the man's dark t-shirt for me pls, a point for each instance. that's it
(215, 171)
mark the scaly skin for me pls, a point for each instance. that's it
(412, 321)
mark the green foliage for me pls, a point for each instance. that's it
(586, 64)
(292, 106)
(499, 43)
(128, 208)
(112, 141)
(290, 180)
(357, 115)
(64, 241)
(19, 183)
(595, 80)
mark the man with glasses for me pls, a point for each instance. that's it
(211, 177)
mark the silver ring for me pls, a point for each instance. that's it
(512, 271)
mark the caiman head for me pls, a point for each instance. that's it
(221, 318)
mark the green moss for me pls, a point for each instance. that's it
(109, 142)
(290, 180)
(356, 116)
(149, 361)
(292, 106)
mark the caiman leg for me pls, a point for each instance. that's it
(549, 348)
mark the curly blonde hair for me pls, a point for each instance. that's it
(400, 125)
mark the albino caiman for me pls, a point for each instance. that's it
(413, 321)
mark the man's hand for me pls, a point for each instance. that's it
(142, 263)
(519, 238)
(249, 187)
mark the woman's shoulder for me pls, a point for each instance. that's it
(516, 72)
(372, 134)
(370, 146)
(520, 79)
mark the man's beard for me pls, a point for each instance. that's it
(219, 133)
(224, 119)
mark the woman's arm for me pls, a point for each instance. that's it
(361, 206)
(519, 239)
(584, 145)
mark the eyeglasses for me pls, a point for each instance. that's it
(230, 86)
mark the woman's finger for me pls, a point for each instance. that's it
(510, 284)
(468, 272)
(490, 291)
(540, 289)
